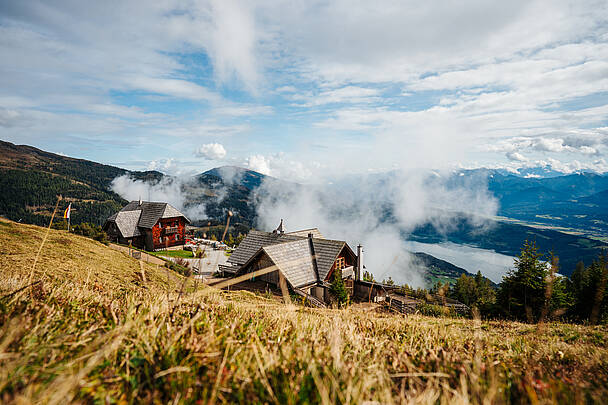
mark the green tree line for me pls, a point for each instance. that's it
(535, 291)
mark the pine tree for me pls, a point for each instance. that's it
(522, 291)
(367, 276)
(475, 292)
(465, 290)
(338, 289)
(589, 290)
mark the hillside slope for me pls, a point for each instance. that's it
(105, 339)
(69, 258)
(437, 270)
(31, 180)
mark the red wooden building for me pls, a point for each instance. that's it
(147, 225)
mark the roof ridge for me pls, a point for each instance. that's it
(302, 230)
(329, 240)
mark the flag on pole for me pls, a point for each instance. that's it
(66, 213)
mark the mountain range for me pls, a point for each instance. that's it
(532, 208)
(575, 202)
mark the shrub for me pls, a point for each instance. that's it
(178, 267)
(91, 231)
(435, 310)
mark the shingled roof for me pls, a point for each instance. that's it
(142, 214)
(126, 221)
(326, 252)
(293, 247)
(304, 232)
(294, 260)
(254, 241)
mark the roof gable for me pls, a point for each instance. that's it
(326, 252)
(172, 212)
(151, 212)
(294, 260)
(346, 251)
(127, 223)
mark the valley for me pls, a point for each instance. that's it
(33, 178)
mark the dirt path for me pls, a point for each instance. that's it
(138, 254)
(207, 265)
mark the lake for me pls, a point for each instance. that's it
(491, 264)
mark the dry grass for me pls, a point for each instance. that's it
(105, 335)
(74, 258)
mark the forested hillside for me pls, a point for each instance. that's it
(32, 179)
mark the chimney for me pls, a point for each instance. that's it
(359, 262)
(139, 204)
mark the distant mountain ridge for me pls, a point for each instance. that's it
(234, 174)
(566, 201)
(32, 179)
(438, 270)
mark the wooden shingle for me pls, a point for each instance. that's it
(294, 260)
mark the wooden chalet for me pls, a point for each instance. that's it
(147, 225)
(304, 258)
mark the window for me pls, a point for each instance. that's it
(340, 263)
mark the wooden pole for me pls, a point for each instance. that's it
(46, 235)
(227, 225)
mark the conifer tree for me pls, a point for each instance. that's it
(522, 292)
(338, 289)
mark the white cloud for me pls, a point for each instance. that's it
(393, 84)
(288, 167)
(346, 94)
(168, 189)
(233, 48)
(211, 151)
(286, 89)
(161, 164)
(549, 144)
(355, 209)
(516, 156)
(258, 163)
(172, 87)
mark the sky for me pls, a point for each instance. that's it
(304, 90)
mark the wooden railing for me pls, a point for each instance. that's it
(171, 229)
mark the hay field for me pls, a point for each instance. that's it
(96, 331)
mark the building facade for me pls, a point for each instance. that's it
(305, 259)
(147, 225)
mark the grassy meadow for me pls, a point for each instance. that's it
(101, 327)
(184, 254)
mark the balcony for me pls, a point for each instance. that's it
(348, 272)
(171, 229)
